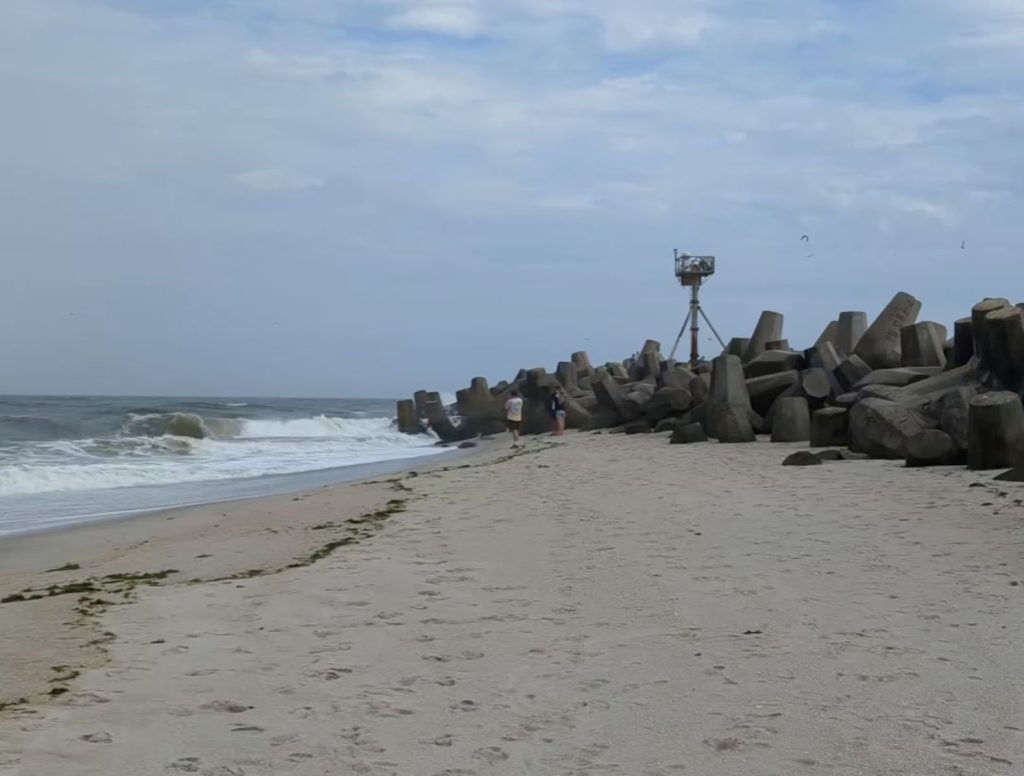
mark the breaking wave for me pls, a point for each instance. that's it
(159, 448)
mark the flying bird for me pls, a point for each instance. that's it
(805, 238)
(963, 245)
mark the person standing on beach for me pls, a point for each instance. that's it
(557, 408)
(514, 415)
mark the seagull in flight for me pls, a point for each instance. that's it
(963, 245)
(805, 238)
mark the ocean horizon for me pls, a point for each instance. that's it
(68, 459)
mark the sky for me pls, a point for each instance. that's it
(356, 198)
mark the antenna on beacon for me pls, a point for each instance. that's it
(693, 272)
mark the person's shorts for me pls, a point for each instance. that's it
(513, 425)
(559, 413)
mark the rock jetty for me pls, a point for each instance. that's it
(894, 388)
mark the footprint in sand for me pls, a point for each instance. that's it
(227, 707)
(185, 765)
(85, 699)
(98, 738)
(329, 674)
(491, 755)
(465, 706)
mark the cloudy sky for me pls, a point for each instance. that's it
(358, 198)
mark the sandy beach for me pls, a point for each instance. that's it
(602, 605)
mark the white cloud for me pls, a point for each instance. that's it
(453, 20)
(275, 179)
(519, 133)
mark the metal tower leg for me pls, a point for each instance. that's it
(682, 331)
(711, 326)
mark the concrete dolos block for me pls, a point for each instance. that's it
(791, 421)
(829, 427)
(923, 344)
(769, 328)
(408, 417)
(995, 431)
(849, 329)
(882, 428)
(880, 347)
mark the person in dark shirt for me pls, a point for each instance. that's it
(557, 409)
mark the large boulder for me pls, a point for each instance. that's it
(882, 428)
(923, 344)
(829, 427)
(880, 347)
(802, 458)
(931, 447)
(995, 436)
(769, 328)
(791, 420)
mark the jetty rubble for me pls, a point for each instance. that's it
(892, 388)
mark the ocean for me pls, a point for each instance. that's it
(66, 460)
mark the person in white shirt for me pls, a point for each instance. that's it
(514, 415)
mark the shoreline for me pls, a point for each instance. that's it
(595, 604)
(199, 542)
(231, 490)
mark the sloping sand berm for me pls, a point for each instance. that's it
(597, 606)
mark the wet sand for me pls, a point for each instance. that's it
(598, 605)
